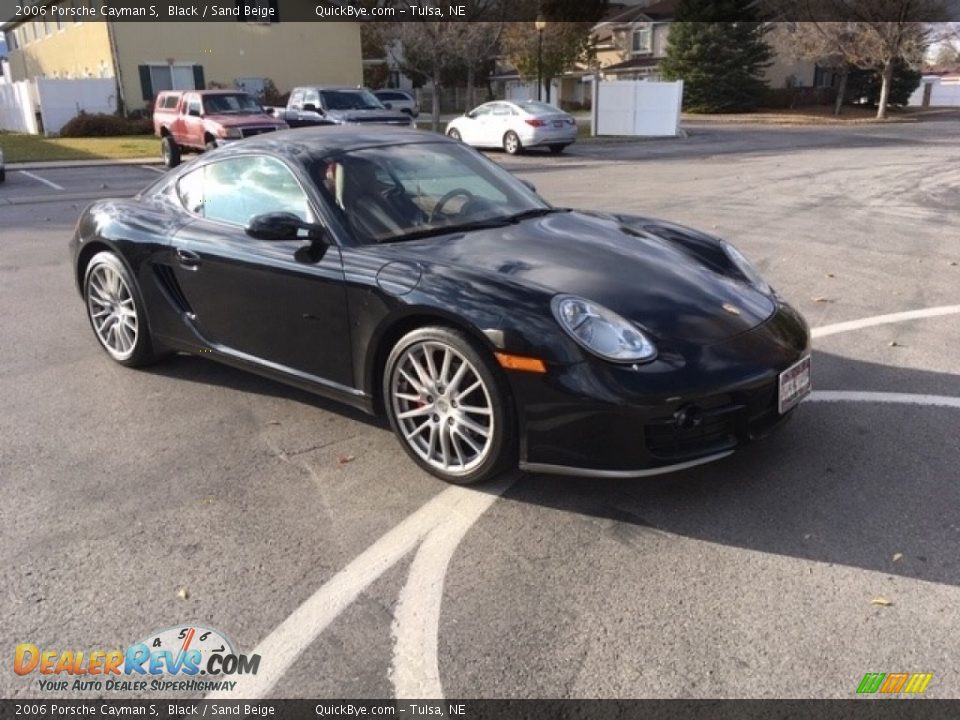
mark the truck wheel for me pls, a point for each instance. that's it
(170, 152)
(211, 144)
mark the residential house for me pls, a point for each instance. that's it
(148, 57)
(631, 42)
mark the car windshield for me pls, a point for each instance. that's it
(226, 104)
(403, 192)
(350, 100)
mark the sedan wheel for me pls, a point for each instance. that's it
(453, 134)
(447, 406)
(113, 308)
(511, 143)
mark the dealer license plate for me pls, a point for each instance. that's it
(794, 384)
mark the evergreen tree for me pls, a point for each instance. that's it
(718, 50)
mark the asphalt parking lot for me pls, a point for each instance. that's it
(189, 492)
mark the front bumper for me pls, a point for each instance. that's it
(691, 405)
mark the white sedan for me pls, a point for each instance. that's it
(515, 126)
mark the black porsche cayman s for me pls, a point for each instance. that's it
(404, 273)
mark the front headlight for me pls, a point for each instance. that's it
(233, 133)
(602, 331)
(746, 268)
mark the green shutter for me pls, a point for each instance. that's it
(198, 82)
(146, 86)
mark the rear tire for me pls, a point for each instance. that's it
(116, 312)
(557, 149)
(512, 144)
(170, 151)
(450, 406)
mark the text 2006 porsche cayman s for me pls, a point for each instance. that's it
(406, 274)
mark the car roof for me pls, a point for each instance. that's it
(329, 87)
(221, 91)
(327, 140)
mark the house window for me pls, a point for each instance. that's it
(642, 38)
(171, 77)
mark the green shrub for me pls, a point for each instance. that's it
(103, 125)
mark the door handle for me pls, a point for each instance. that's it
(188, 258)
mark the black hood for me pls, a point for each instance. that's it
(657, 282)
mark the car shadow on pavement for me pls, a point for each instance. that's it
(198, 369)
(861, 484)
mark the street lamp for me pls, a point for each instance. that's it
(540, 23)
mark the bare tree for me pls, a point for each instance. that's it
(479, 42)
(881, 32)
(428, 48)
(830, 45)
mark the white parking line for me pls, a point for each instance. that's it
(438, 527)
(154, 169)
(825, 330)
(43, 180)
(883, 397)
(280, 649)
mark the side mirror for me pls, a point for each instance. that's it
(310, 107)
(388, 106)
(193, 112)
(469, 115)
(530, 185)
(281, 226)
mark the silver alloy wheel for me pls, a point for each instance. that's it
(511, 143)
(112, 310)
(454, 134)
(442, 407)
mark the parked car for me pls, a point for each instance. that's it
(206, 119)
(514, 126)
(311, 106)
(3, 168)
(398, 100)
(407, 274)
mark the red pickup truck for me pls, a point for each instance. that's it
(204, 119)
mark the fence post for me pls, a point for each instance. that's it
(594, 104)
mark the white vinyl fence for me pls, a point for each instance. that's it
(637, 107)
(942, 92)
(16, 108)
(55, 102)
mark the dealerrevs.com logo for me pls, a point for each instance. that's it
(189, 658)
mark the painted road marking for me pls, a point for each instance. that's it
(883, 397)
(281, 648)
(438, 527)
(153, 169)
(826, 330)
(43, 180)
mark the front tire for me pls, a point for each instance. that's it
(512, 144)
(454, 134)
(449, 406)
(115, 311)
(170, 152)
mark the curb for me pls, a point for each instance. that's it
(55, 164)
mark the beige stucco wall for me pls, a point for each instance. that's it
(289, 53)
(76, 51)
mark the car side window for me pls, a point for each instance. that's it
(193, 106)
(235, 190)
(296, 99)
(482, 111)
(312, 97)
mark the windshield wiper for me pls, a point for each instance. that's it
(534, 212)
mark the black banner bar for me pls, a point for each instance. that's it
(855, 709)
(266, 11)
